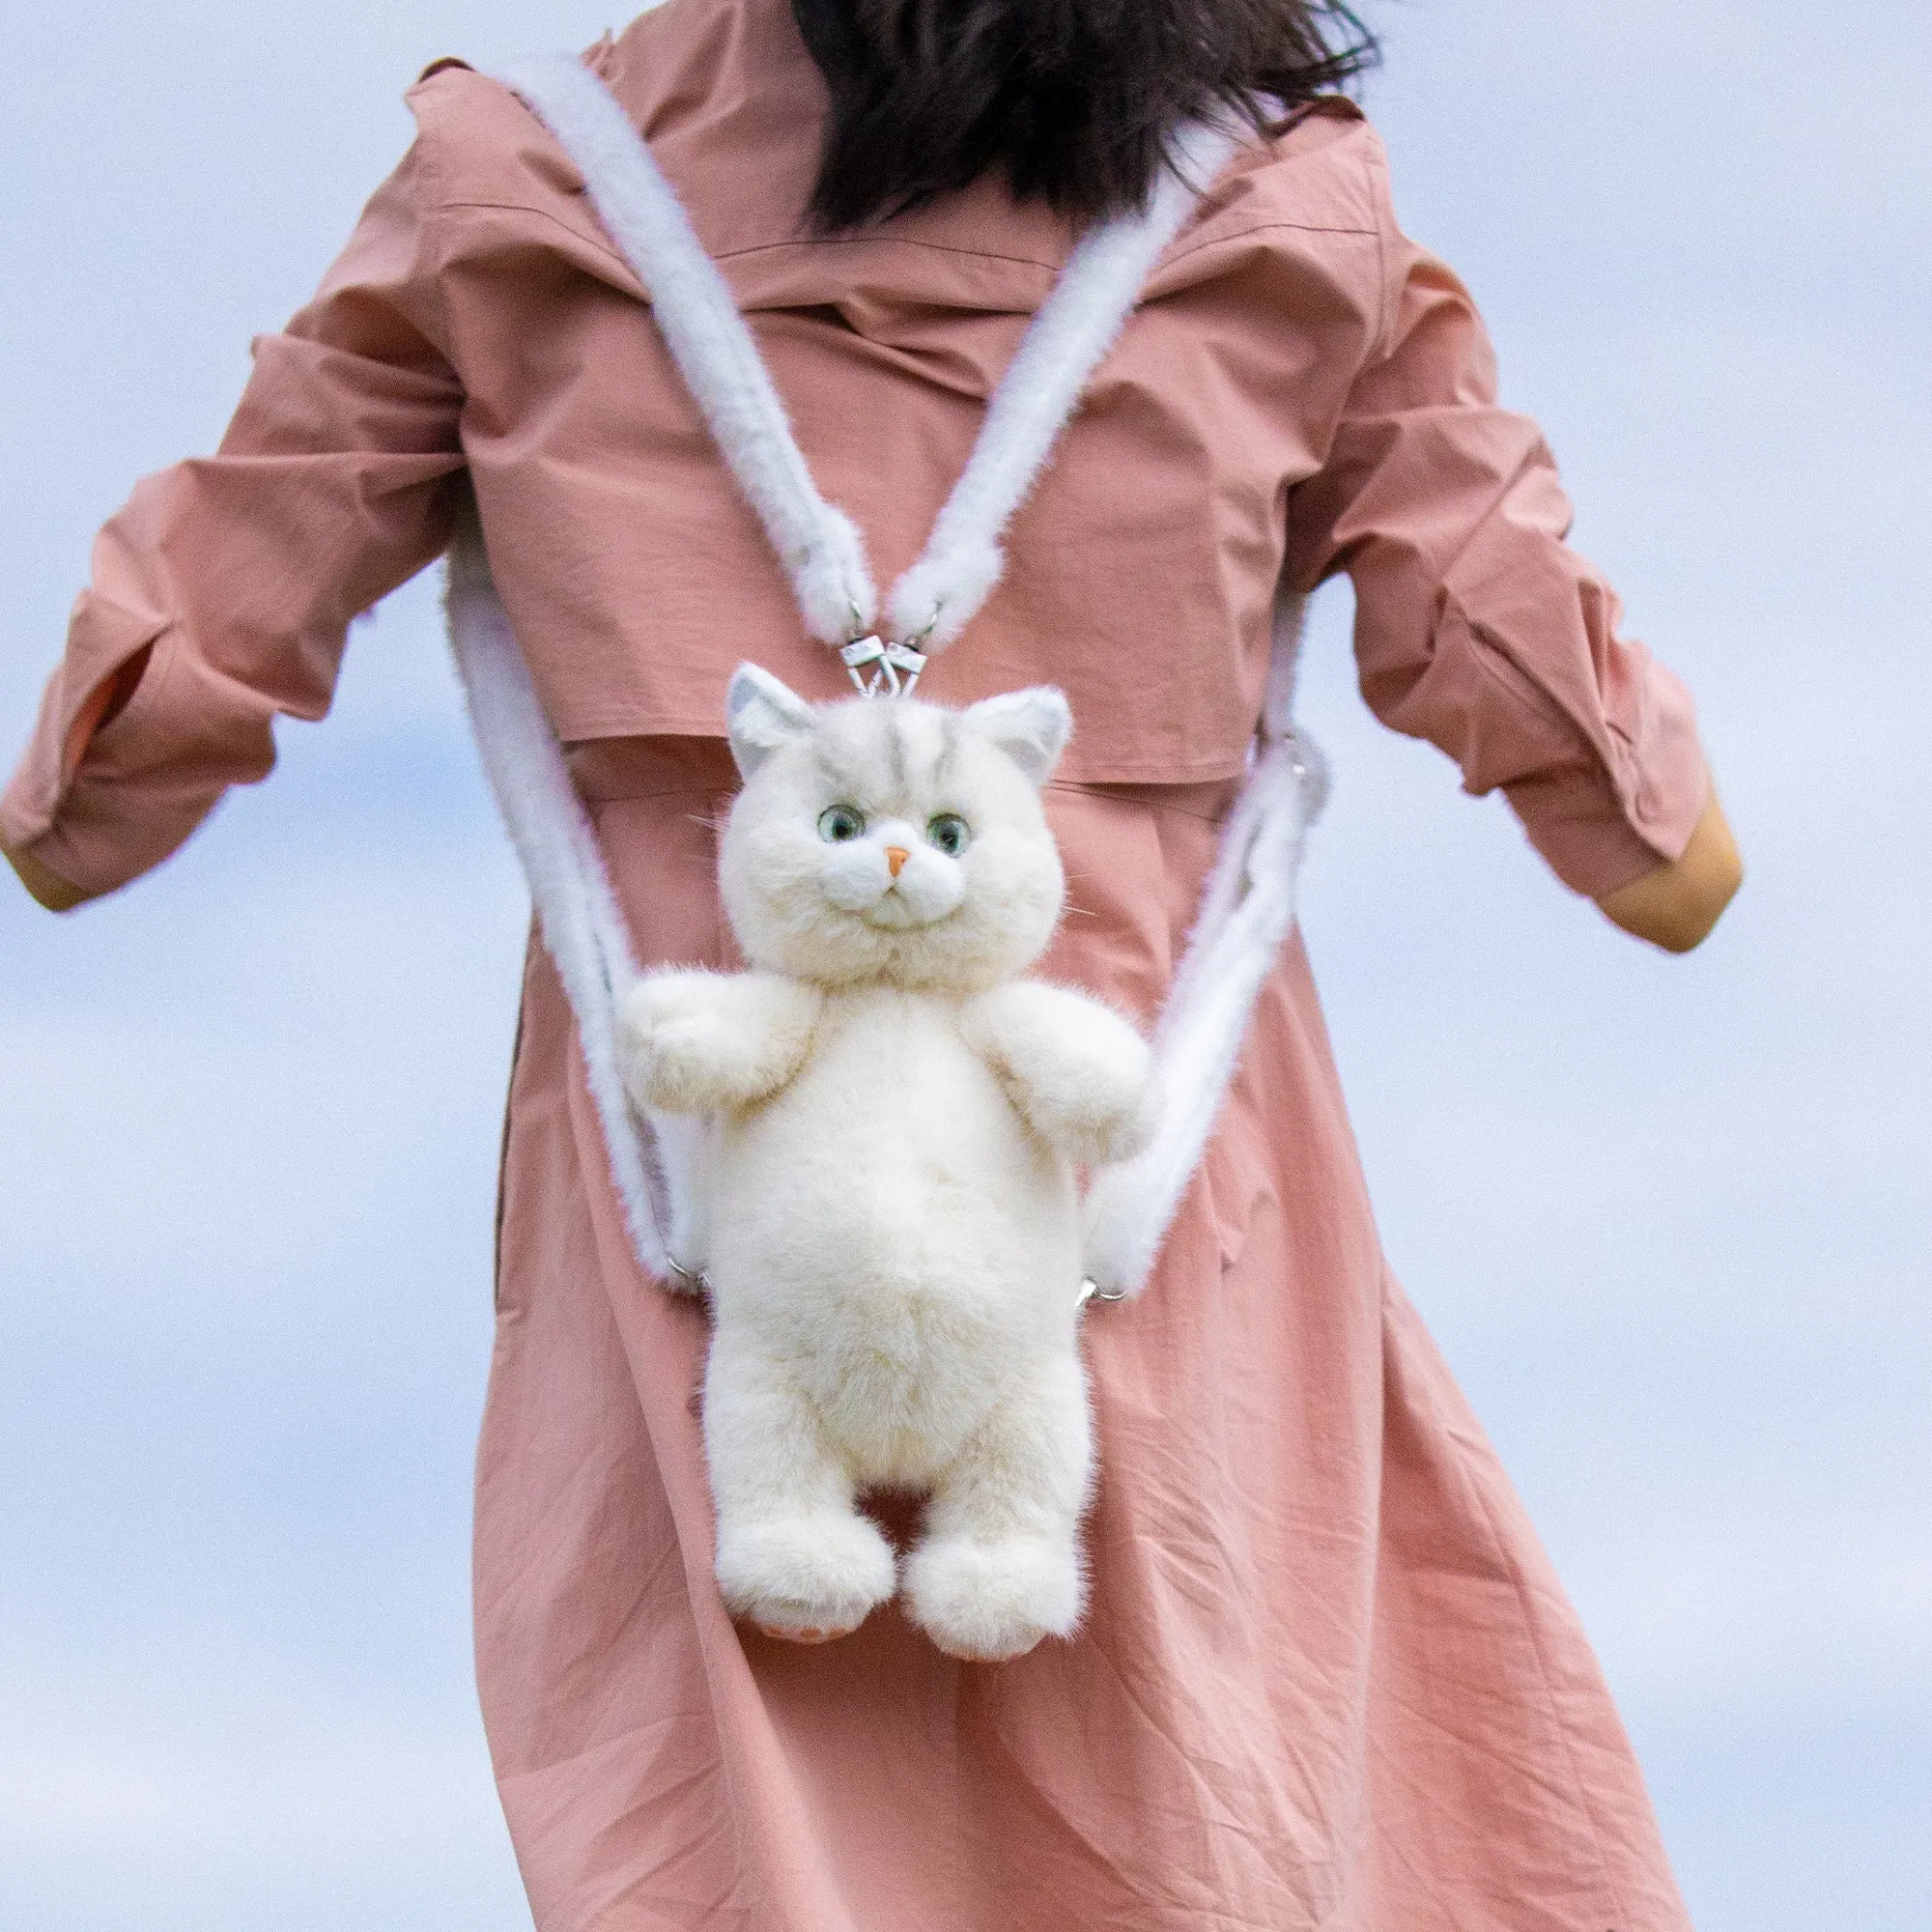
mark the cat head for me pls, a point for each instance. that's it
(884, 838)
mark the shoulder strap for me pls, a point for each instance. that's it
(708, 339)
(1076, 325)
(694, 309)
(1247, 911)
(582, 925)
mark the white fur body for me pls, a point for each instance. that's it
(896, 1237)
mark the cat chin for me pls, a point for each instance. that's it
(936, 958)
(895, 916)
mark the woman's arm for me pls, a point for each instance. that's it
(1478, 627)
(1676, 905)
(223, 590)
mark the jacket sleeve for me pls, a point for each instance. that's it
(222, 592)
(1477, 627)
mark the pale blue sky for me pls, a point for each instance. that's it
(1671, 1219)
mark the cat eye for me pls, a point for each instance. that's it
(949, 833)
(839, 824)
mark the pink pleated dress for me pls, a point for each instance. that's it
(1328, 1679)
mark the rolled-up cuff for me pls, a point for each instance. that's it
(100, 812)
(104, 639)
(1599, 830)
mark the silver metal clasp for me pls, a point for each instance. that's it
(1091, 1291)
(894, 668)
(690, 1281)
(902, 662)
(858, 657)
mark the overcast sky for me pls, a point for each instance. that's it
(1669, 1218)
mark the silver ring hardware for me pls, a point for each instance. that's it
(692, 1282)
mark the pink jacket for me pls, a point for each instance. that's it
(1304, 391)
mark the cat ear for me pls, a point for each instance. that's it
(762, 716)
(1031, 727)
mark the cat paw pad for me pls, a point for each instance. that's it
(808, 1633)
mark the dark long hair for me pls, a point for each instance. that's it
(1073, 100)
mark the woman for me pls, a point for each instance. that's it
(1327, 1678)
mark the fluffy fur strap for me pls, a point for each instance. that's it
(1076, 325)
(713, 349)
(821, 549)
(1247, 911)
(653, 1164)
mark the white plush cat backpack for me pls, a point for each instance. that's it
(869, 1148)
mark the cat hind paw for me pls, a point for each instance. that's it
(985, 1602)
(805, 1578)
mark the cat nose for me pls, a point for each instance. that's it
(896, 858)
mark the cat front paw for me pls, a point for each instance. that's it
(1081, 1075)
(985, 1602)
(673, 1045)
(695, 1043)
(807, 1579)
(665, 1043)
(1116, 1111)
